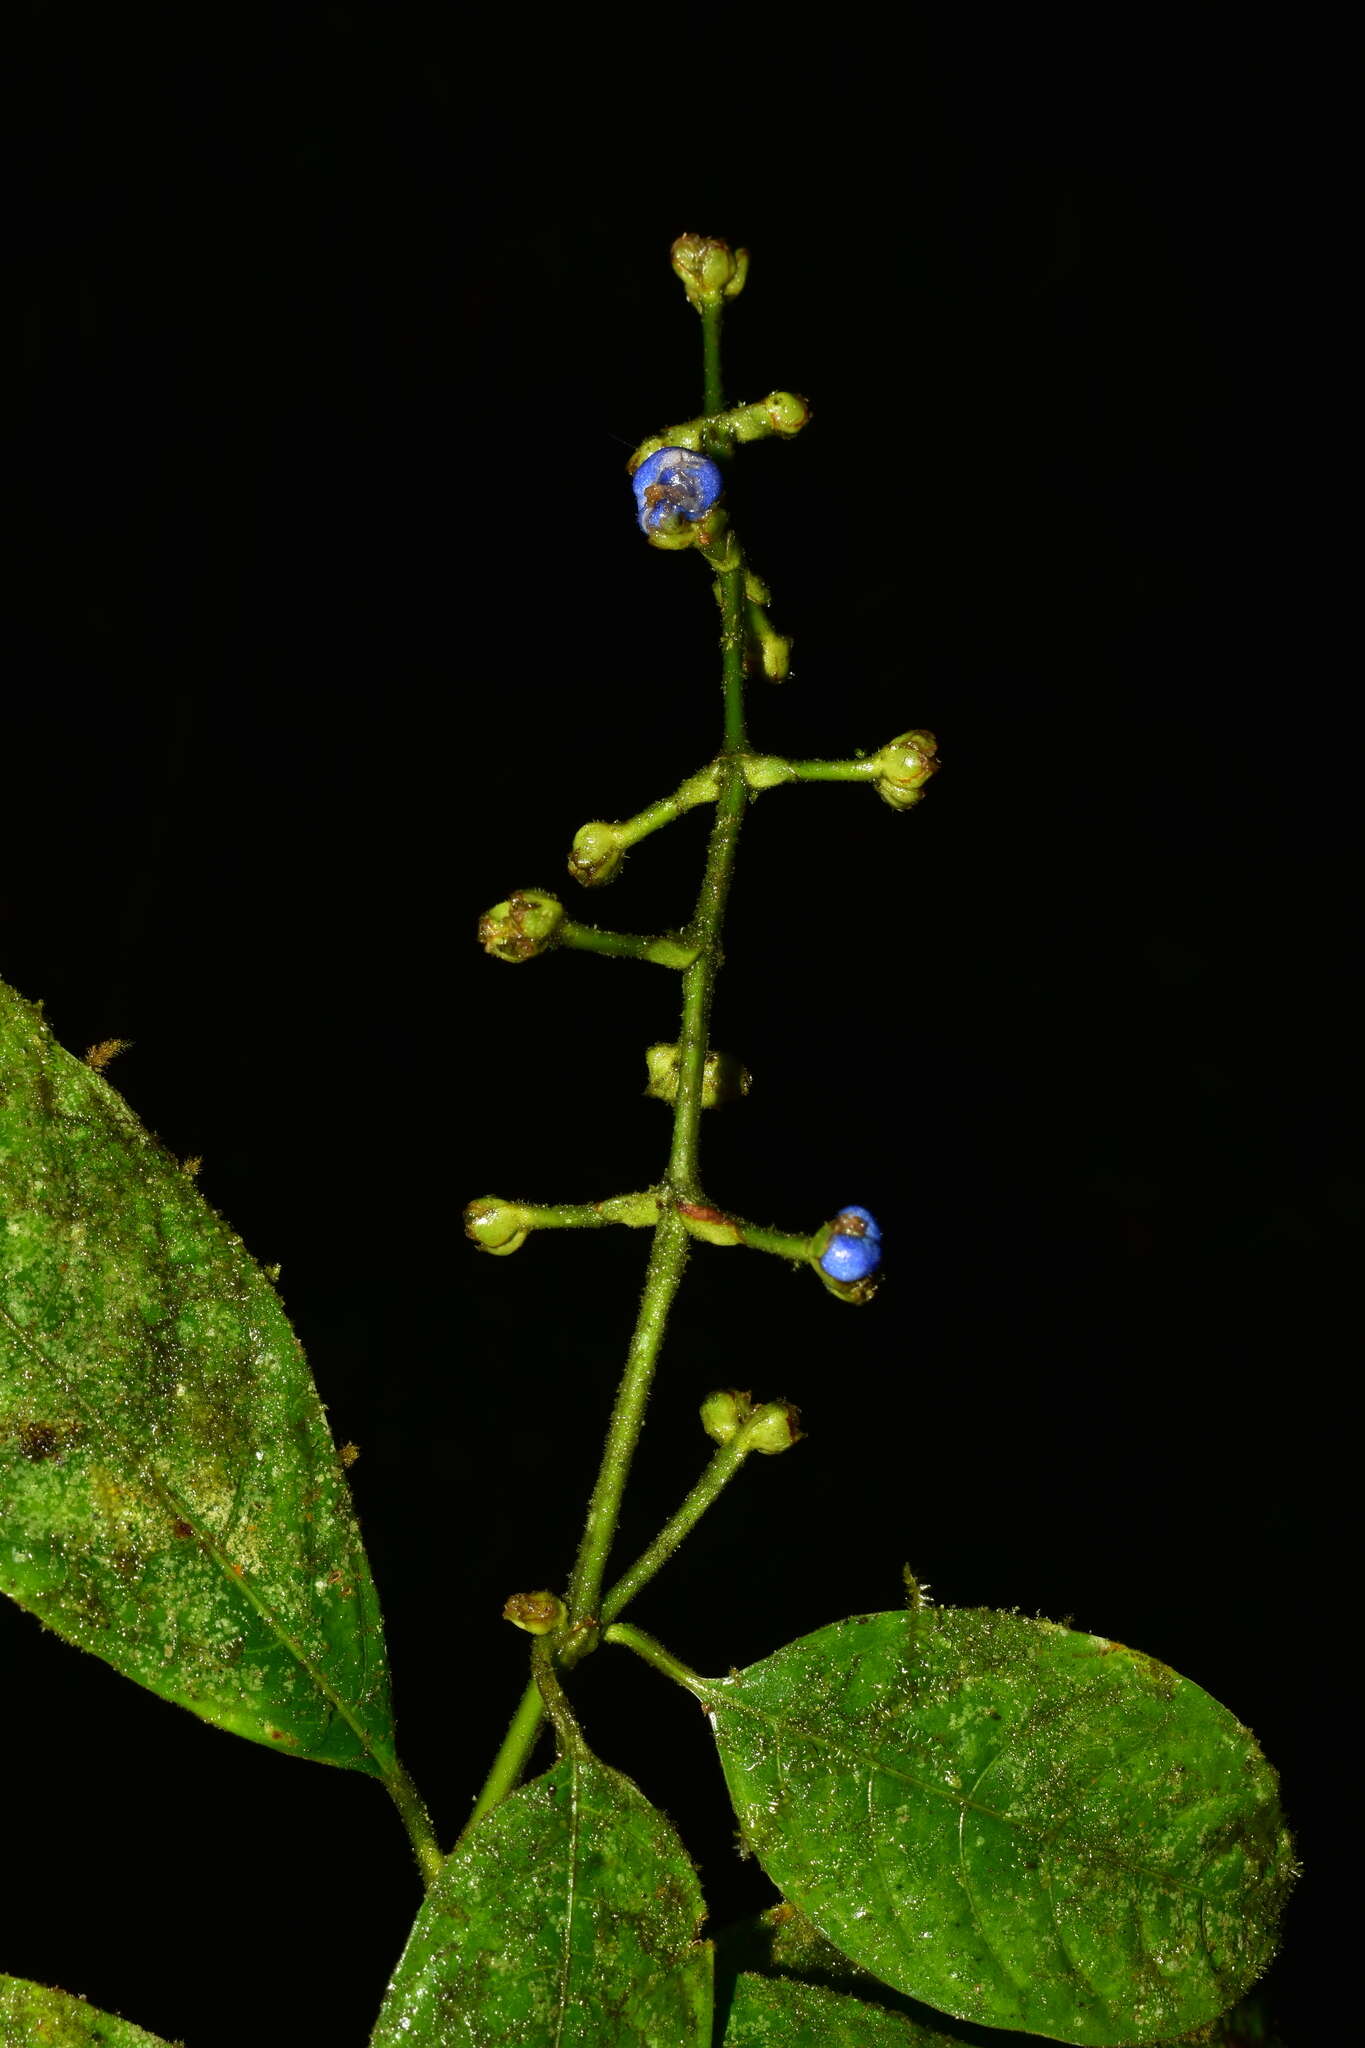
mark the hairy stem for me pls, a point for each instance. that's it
(529, 1719)
(417, 1821)
(714, 399)
(672, 1242)
(668, 1256)
(654, 1653)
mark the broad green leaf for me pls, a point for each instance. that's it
(1012, 1822)
(784, 2012)
(782, 1948)
(31, 2016)
(568, 1916)
(776, 1969)
(169, 1494)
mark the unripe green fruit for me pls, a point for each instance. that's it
(773, 1428)
(597, 853)
(525, 924)
(497, 1226)
(724, 1411)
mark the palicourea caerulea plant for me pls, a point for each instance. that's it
(974, 1820)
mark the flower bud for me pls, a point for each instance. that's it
(525, 924)
(904, 765)
(596, 853)
(723, 1079)
(675, 487)
(774, 1428)
(724, 1411)
(710, 270)
(497, 1226)
(538, 1613)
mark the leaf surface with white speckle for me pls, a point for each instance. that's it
(170, 1497)
(1015, 1823)
(569, 1915)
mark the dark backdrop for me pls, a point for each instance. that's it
(336, 624)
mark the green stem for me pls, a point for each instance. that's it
(782, 1242)
(663, 1660)
(527, 1722)
(569, 1737)
(512, 1756)
(591, 1215)
(699, 979)
(668, 949)
(668, 1254)
(835, 771)
(712, 1483)
(417, 1821)
(668, 1257)
(732, 643)
(714, 399)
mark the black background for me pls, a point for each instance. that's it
(335, 624)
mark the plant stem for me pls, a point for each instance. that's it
(699, 980)
(835, 771)
(417, 1821)
(712, 1483)
(733, 614)
(668, 950)
(529, 1718)
(512, 1756)
(667, 1258)
(714, 399)
(663, 1660)
(672, 1242)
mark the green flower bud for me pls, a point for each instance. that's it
(774, 1428)
(497, 1226)
(597, 853)
(723, 1079)
(770, 1429)
(538, 1613)
(724, 1411)
(525, 924)
(903, 766)
(710, 270)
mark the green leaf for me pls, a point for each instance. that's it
(766, 1965)
(784, 2012)
(1015, 1823)
(782, 1947)
(568, 1915)
(31, 2016)
(169, 1494)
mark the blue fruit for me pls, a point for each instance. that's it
(854, 1253)
(674, 485)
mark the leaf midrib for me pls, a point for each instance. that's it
(234, 1580)
(956, 1801)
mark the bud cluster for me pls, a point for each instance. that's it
(770, 1429)
(723, 1078)
(903, 767)
(711, 270)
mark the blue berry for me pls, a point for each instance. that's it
(848, 1220)
(851, 1258)
(674, 485)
